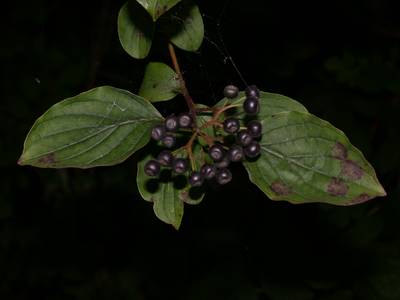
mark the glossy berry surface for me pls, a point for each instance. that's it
(254, 128)
(252, 91)
(251, 106)
(171, 123)
(165, 158)
(158, 132)
(223, 163)
(235, 153)
(223, 176)
(208, 171)
(185, 120)
(169, 141)
(180, 165)
(252, 150)
(152, 168)
(196, 179)
(216, 152)
(231, 91)
(244, 138)
(231, 125)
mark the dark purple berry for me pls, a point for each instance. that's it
(185, 120)
(180, 165)
(169, 141)
(224, 163)
(252, 91)
(231, 91)
(224, 176)
(152, 168)
(251, 106)
(158, 132)
(254, 128)
(252, 150)
(244, 137)
(231, 125)
(216, 152)
(171, 123)
(165, 158)
(208, 171)
(235, 153)
(196, 179)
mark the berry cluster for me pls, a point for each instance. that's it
(221, 152)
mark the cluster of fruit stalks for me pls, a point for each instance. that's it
(221, 154)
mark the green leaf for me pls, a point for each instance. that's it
(270, 104)
(306, 159)
(184, 26)
(160, 83)
(157, 7)
(168, 193)
(135, 30)
(100, 127)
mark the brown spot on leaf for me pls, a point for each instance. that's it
(48, 159)
(351, 170)
(280, 188)
(359, 199)
(339, 151)
(337, 187)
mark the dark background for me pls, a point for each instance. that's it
(87, 234)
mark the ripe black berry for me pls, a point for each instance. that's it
(235, 153)
(152, 168)
(252, 150)
(216, 152)
(255, 128)
(180, 165)
(185, 120)
(208, 171)
(165, 158)
(231, 125)
(224, 163)
(252, 91)
(231, 91)
(196, 179)
(169, 141)
(224, 176)
(251, 106)
(244, 137)
(158, 132)
(171, 123)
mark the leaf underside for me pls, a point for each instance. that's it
(135, 30)
(100, 127)
(160, 83)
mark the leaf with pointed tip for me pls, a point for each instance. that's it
(168, 192)
(160, 83)
(100, 127)
(135, 30)
(306, 159)
(184, 26)
(157, 7)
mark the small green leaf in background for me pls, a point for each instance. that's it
(184, 26)
(135, 29)
(157, 7)
(160, 83)
(168, 192)
(100, 127)
(305, 159)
